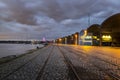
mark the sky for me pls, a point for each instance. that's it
(51, 19)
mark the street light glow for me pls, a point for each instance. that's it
(76, 36)
(106, 36)
(88, 37)
(85, 31)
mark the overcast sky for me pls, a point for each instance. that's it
(35, 19)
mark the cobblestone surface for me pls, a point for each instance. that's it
(56, 68)
(85, 70)
(31, 62)
(28, 67)
(49, 64)
(91, 65)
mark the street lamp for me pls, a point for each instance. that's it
(65, 40)
(60, 40)
(76, 38)
(85, 32)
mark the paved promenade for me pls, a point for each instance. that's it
(63, 62)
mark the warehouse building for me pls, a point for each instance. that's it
(110, 31)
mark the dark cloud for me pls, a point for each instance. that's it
(34, 19)
(18, 12)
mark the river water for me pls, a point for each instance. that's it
(15, 49)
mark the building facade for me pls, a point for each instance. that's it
(110, 31)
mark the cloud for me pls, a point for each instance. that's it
(18, 12)
(34, 19)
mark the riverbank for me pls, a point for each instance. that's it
(12, 57)
(16, 49)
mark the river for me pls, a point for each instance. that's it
(15, 49)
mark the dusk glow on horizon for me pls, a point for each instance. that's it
(34, 19)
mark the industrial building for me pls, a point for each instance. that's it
(110, 31)
(90, 36)
(106, 34)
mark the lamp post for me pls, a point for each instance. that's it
(65, 40)
(76, 36)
